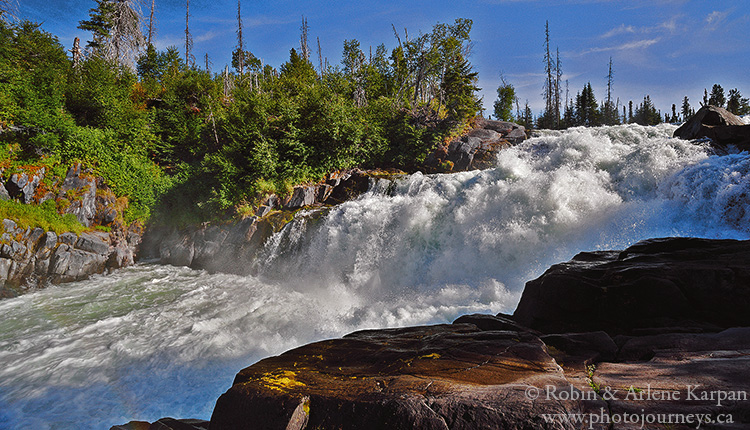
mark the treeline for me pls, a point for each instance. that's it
(583, 109)
(155, 125)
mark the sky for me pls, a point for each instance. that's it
(667, 49)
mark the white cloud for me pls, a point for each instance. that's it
(622, 29)
(716, 18)
(638, 44)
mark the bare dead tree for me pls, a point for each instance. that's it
(188, 37)
(126, 38)
(76, 52)
(304, 48)
(151, 29)
(240, 44)
(208, 64)
(558, 95)
(8, 10)
(320, 58)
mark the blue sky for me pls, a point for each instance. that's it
(667, 49)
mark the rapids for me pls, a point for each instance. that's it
(153, 341)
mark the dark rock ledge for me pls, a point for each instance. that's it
(723, 128)
(658, 330)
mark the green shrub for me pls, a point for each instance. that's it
(44, 216)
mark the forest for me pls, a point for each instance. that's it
(160, 129)
(169, 134)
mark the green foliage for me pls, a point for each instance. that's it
(44, 216)
(737, 104)
(646, 113)
(226, 139)
(506, 95)
(717, 97)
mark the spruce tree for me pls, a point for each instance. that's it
(717, 96)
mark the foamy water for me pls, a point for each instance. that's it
(153, 341)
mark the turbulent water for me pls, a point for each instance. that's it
(153, 341)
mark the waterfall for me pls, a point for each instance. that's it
(153, 341)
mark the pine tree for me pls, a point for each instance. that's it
(100, 26)
(558, 77)
(646, 114)
(609, 110)
(737, 104)
(116, 29)
(717, 96)
(686, 111)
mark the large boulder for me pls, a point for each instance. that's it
(695, 284)
(432, 377)
(718, 124)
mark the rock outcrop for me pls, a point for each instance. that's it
(721, 126)
(31, 258)
(615, 339)
(693, 284)
(478, 148)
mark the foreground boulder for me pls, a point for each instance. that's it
(718, 124)
(432, 377)
(699, 285)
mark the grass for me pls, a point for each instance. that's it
(44, 216)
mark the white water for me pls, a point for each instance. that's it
(153, 341)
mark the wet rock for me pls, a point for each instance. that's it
(348, 187)
(490, 322)
(304, 195)
(701, 284)
(97, 243)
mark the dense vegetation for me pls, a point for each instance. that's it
(167, 131)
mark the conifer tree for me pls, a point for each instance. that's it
(717, 96)
(737, 104)
(686, 111)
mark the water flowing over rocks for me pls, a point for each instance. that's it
(645, 332)
(721, 126)
(219, 247)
